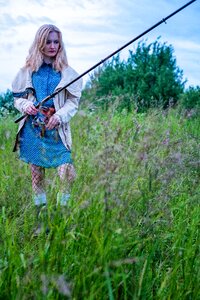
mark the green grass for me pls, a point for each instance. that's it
(131, 230)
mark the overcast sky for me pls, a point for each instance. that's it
(92, 29)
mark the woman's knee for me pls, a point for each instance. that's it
(67, 171)
(71, 173)
(37, 172)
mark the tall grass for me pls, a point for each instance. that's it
(131, 230)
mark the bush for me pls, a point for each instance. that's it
(150, 77)
(6, 104)
(191, 98)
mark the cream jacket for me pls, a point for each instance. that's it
(66, 102)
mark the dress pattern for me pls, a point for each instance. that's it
(38, 145)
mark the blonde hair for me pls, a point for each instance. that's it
(35, 57)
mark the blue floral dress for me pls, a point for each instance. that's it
(38, 145)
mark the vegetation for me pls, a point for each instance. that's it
(131, 229)
(191, 98)
(149, 78)
(6, 104)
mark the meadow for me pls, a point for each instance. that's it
(131, 229)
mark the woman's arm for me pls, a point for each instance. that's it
(22, 104)
(23, 93)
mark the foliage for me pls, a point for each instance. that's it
(150, 77)
(191, 98)
(131, 230)
(6, 103)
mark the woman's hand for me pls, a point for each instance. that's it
(31, 110)
(53, 122)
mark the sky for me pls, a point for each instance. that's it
(93, 29)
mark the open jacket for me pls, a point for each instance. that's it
(66, 102)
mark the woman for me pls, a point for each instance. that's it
(44, 136)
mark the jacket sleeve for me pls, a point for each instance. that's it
(21, 103)
(72, 96)
(23, 96)
(69, 109)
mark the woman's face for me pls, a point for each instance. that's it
(52, 45)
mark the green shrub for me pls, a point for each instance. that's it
(6, 103)
(150, 78)
(191, 98)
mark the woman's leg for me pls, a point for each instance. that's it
(38, 184)
(39, 198)
(67, 176)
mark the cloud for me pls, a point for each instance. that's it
(8, 22)
(4, 3)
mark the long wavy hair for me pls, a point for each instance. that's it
(35, 57)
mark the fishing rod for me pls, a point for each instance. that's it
(107, 57)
